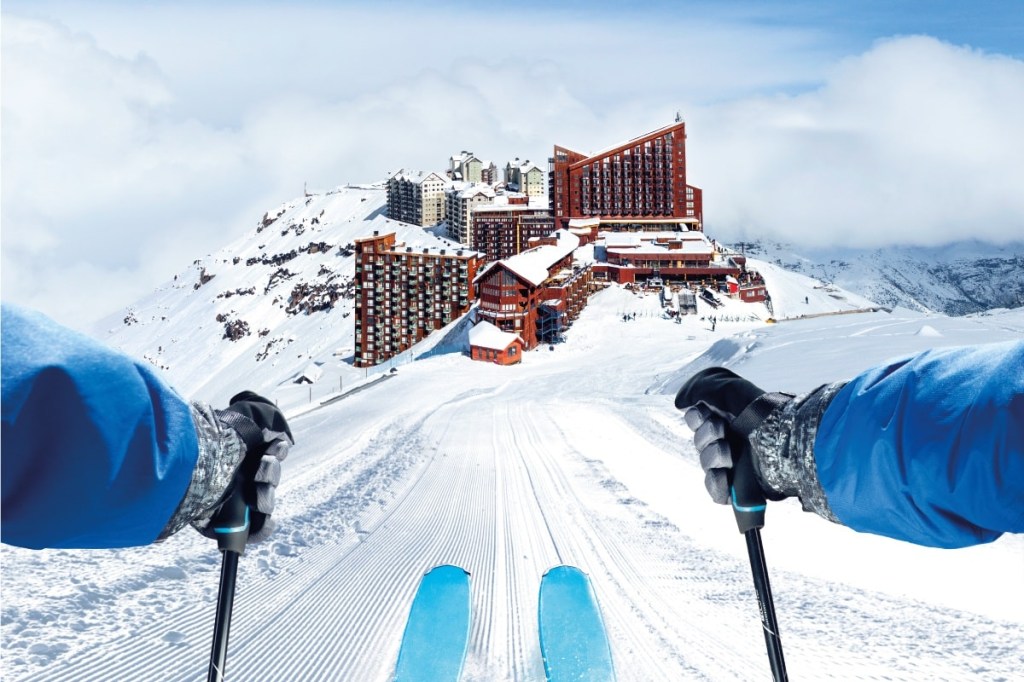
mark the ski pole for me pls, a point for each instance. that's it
(231, 524)
(748, 504)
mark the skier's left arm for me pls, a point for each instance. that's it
(927, 448)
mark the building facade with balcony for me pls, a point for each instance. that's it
(642, 179)
(526, 178)
(460, 202)
(466, 167)
(505, 227)
(537, 294)
(402, 294)
(417, 197)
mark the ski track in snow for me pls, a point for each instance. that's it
(508, 472)
(673, 609)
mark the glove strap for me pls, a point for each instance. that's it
(756, 412)
(251, 434)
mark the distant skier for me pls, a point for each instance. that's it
(98, 452)
(927, 449)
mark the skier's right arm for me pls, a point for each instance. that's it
(927, 449)
(99, 452)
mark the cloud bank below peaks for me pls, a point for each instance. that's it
(914, 142)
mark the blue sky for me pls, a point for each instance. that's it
(139, 136)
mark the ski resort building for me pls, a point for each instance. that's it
(642, 181)
(417, 197)
(525, 177)
(460, 202)
(668, 256)
(404, 293)
(466, 167)
(505, 227)
(536, 294)
(487, 343)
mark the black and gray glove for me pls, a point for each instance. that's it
(727, 413)
(242, 445)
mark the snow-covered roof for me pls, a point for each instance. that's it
(533, 265)
(584, 222)
(418, 177)
(648, 247)
(501, 202)
(475, 189)
(311, 373)
(486, 335)
(622, 240)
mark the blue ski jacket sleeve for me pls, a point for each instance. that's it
(96, 450)
(929, 449)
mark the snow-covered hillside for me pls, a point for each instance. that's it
(268, 306)
(574, 456)
(955, 279)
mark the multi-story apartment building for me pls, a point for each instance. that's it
(460, 202)
(644, 178)
(525, 177)
(504, 228)
(536, 294)
(466, 167)
(417, 197)
(404, 293)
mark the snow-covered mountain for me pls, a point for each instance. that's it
(268, 306)
(955, 279)
(575, 456)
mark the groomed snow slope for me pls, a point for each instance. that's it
(575, 456)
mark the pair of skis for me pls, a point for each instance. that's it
(573, 641)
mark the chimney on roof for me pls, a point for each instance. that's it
(376, 233)
(442, 252)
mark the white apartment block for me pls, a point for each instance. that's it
(417, 197)
(526, 178)
(460, 200)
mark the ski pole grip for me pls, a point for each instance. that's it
(747, 497)
(231, 523)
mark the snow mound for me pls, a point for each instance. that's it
(928, 330)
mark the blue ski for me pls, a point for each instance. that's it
(437, 632)
(573, 641)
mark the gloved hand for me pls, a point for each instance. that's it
(722, 409)
(241, 446)
(263, 428)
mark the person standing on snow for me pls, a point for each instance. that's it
(928, 449)
(97, 452)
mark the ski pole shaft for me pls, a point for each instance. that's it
(222, 624)
(231, 525)
(766, 605)
(749, 504)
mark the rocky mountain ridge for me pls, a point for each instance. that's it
(955, 279)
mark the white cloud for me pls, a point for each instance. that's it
(914, 142)
(115, 178)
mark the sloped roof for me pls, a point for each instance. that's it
(533, 265)
(418, 177)
(486, 335)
